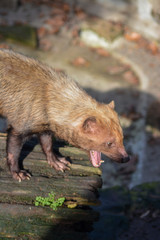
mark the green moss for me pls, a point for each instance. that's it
(24, 199)
(23, 34)
(73, 152)
(146, 195)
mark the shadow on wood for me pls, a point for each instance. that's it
(79, 186)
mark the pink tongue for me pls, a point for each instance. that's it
(95, 158)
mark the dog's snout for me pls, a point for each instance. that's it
(125, 159)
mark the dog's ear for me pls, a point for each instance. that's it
(111, 104)
(90, 125)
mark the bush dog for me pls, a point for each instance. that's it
(36, 99)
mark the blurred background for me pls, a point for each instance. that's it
(112, 48)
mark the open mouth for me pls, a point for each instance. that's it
(95, 158)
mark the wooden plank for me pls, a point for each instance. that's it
(29, 222)
(79, 159)
(79, 185)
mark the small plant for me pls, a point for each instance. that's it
(49, 201)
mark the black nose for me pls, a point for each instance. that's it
(125, 159)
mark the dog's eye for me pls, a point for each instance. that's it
(109, 144)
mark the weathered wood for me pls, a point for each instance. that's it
(79, 185)
(26, 222)
(25, 192)
(20, 219)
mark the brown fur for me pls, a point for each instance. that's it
(36, 99)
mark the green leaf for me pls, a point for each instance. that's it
(49, 201)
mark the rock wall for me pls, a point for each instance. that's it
(146, 17)
(141, 15)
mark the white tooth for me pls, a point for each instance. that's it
(96, 165)
(102, 161)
